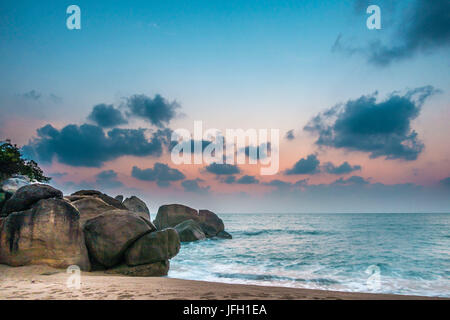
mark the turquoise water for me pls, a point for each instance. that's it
(386, 253)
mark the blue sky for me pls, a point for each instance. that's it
(238, 64)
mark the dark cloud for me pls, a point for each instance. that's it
(161, 173)
(32, 95)
(308, 165)
(158, 111)
(284, 185)
(194, 186)
(229, 179)
(88, 145)
(380, 128)
(422, 28)
(106, 116)
(222, 169)
(258, 152)
(107, 179)
(344, 168)
(351, 181)
(290, 135)
(445, 182)
(247, 180)
(242, 180)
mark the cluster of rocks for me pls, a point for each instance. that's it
(94, 231)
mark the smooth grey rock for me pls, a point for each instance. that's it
(27, 195)
(189, 231)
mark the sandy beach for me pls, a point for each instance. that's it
(42, 282)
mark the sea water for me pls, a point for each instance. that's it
(401, 253)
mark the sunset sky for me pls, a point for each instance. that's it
(363, 114)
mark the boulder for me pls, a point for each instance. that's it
(27, 195)
(157, 269)
(224, 235)
(4, 196)
(210, 223)
(170, 215)
(190, 230)
(14, 183)
(94, 193)
(119, 198)
(137, 206)
(90, 207)
(111, 233)
(153, 247)
(49, 233)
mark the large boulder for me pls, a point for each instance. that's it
(156, 269)
(49, 234)
(210, 223)
(14, 183)
(4, 196)
(90, 207)
(189, 231)
(153, 247)
(94, 193)
(111, 233)
(27, 195)
(170, 215)
(137, 206)
(119, 198)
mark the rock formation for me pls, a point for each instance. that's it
(189, 231)
(203, 221)
(49, 233)
(137, 206)
(95, 231)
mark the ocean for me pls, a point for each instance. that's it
(400, 253)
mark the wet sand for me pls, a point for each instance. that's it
(42, 282)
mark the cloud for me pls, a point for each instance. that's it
(258, 152)
(242, 180)
(161, 173)
(422, 28)
(193, 186)
(107, 179)
(380, 128)
(308, 165)
(352, 181)
(32, 95)
(247, 180)
(284, 185)
(222, 169)
(89, 146)
(445, 182)
(158, 111)
(106, 116)
(290, 135)
(344, 168)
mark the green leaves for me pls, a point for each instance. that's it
(11, 162)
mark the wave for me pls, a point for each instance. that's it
(282, 231)
(269, 277)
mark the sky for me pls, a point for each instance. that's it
(363, 113)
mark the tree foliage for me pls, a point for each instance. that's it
(11, 162)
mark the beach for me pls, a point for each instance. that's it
(45, 283)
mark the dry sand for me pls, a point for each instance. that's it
(42, 282)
